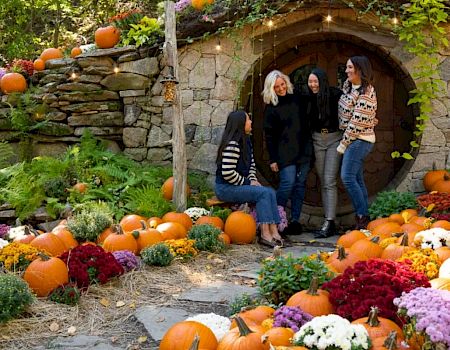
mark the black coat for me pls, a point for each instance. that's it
(319, 121)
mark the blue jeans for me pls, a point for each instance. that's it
(264, 197)
(352, 175)
(293, 185)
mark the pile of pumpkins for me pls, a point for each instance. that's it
(437, 180)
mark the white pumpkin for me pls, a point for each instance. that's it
(444, 271)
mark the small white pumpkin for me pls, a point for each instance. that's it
(444, 271)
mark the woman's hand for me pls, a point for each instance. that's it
(274, 167)
(255, 183)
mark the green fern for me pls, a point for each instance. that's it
(146, 201)
(6, 154)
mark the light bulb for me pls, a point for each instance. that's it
(218, 47)
(116, 69)
(270, 23)
(73, 75)
(328, 18)
(395, 20)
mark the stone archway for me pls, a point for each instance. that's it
(330, 50)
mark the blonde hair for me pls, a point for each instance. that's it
(269, 95)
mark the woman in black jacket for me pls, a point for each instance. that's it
(322, 112)
(288, 141)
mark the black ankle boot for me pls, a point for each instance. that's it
(328, 229)
(361, 221)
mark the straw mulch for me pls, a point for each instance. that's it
(108, 310)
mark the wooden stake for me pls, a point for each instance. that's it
(178, 136)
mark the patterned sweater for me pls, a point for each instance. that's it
(357, 115)
(232, 169)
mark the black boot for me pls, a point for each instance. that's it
(361, 221)
(294, 228)
(328, 229)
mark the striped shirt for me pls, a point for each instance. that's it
(357, 115)
(229, 171)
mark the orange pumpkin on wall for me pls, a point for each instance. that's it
(39, 64)
(432, 176)
(51, 54)
(107, 37)
(13, 82)
(200, 4)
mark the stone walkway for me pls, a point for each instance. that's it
(212, 298)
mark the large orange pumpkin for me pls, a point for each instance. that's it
(147, 237)
(377, 222)
(107, 37)
(242, 337)
(442, 224)
(368, 247)
(167, 189)
(200, 4)
(181, 336)
(45, 274)
(13, 82)
(386, 230)
(347, 239)
(120, 241)
(106, 232)
(182, 218)
(343, 258)
(51, 54)
(258, 314)
(66, 237)
(431, 177)
(442, 185)
(211, 220)
(50, 243)
(172, 230)
(395, 250)
(378, 326)
(131, 222)
(240, 227)
(314, 301)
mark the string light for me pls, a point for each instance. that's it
(73, 76)
(270, 23)
(328, 18)
(116, 69)
(395, 20)
(218, 46)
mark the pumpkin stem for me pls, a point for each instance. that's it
(243, 328)
(313, 286)
(404, 241)
(43, 256)
(390, 342)
(144, 226)
(341, 253)
(373, 320)
(135, 234)
(375, 239)
(397, 234)
(195, 343)
(117, 229)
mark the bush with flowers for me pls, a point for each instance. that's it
(68, 294)
(124, 20)
(291, 317)
(4, 229)
(433, 238)
(183, 248)
(374, 282)
(206, 238)
(196, 212)
(157, 255)
(425, 261)
(89, 264)
(332, 332)
(281, 277)
(219, 325)
(426, 316)
(15, 296)
(127, 259)
(17, 256)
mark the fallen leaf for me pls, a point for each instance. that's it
(142, 339)
(120, 303)
(312, 241)
(54, 327)
(160, 319)
(6, 337)
(105, 302)
(208, 267)
(133, 305)
(210, 256)
(71, 330)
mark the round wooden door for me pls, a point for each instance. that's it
(396, 122)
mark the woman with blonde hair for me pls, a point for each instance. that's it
(288, 141)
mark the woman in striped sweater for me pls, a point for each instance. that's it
(236, 177)
(357, 110)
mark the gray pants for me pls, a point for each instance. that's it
(328, 161)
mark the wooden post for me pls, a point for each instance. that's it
(178, 136)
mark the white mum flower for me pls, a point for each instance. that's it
(219, 325)
(3, 243)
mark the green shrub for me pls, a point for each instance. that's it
(15, 296)
(206, 238)
(281, 277)
(68, 294)
(243, 301)
(90, 221)
(157, 255)
(390, 202)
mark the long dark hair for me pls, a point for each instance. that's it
(323, 96)
(234, 131)
(364, 67)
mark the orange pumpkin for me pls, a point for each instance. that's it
(386, 230)
(167, 189)
(432, 177)
(39, 64)
(313, 301)
(66, 237)
(45, 274)
(395, 250)
(240, 227)
(408, 214)
(347, 239)
(107, 37)
(377, 222)
(442, 224)
(411, 228)
(27, 237)
(131, 222)
(154, 221)
(76, 51)
(225, 238)
(13, 82)
(279, 336)
(106, 232)
(443, 253)
(442, 185)
(368, 247)
(422, 221)
(258, 314)
(211, 220)
(172, 230)
(378, 326)
(146, 237)
(200, 4)
(343, 258)
(181, 336)
(120, 241)
(80, 187)
(398, 218)
(389, 342)
(182, 218)
(243, 337)
(51, 54)
(50, 243)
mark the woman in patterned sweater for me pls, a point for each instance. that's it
(357, 111)
(236, 177)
